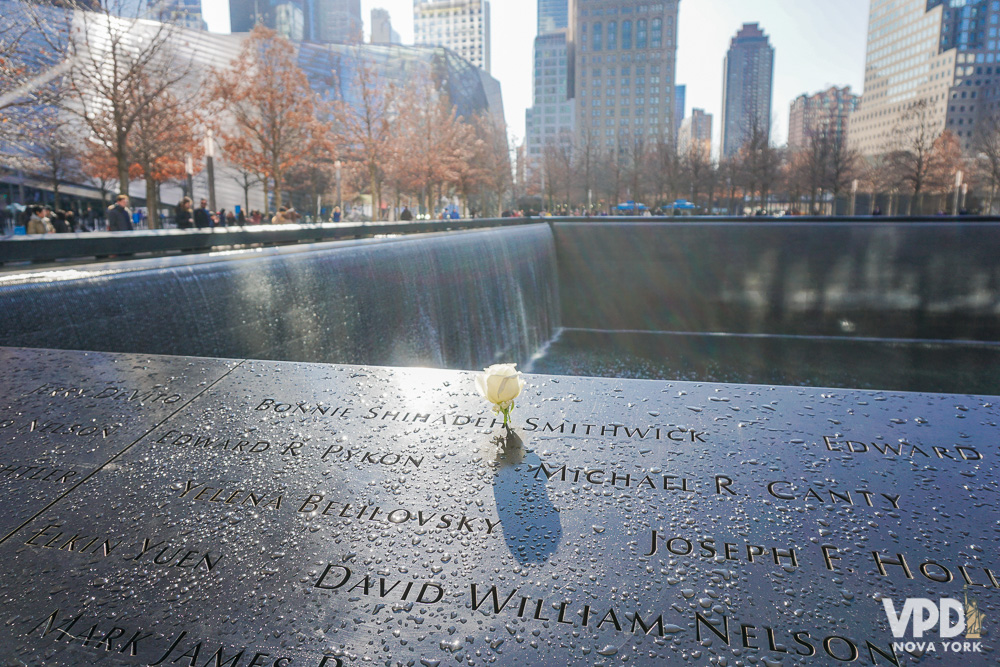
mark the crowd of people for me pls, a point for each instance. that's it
(40, 219)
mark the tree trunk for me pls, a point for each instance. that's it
(152, 205)
(277, 189)
(123, 179)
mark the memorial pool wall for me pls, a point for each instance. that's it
(456, 300)
(468, 299)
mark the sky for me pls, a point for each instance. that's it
(818, 43)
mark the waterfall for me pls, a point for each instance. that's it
(450, 300)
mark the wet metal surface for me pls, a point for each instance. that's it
(312, 515)
(910, 365)
(64, 414)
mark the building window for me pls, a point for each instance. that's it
(598, 34)
(640, 34)
(612, 35)
(656, 39)
(626, 34)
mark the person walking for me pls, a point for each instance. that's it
(119, 217)
(184, 217)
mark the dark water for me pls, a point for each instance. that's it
(925, 366)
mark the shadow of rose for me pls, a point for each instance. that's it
(530, 522)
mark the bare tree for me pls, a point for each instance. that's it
(665, 168)
(53, 149)
(428, 143)
(759, 163)
(911, 149)
(121, 69)
(557, 165)
(634, 150)
(32, 60)
(697, 170)
(366, 125)
(586, 156)
(246, 179)
(946, 161)
(276, 116)
(492, 160)
(164, 134)
(988, 152)
(842, 168)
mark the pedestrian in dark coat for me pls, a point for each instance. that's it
(119, 217)
(202, 218)
(184, 219)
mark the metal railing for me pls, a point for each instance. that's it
(54, 247)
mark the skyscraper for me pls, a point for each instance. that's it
(290, 18)
(245, 14)
(322, 21)
(826, 112)
(943, 57)
(382, 32)
(460, 25)
(553, 15)
(680, 103)
(337, 21)
(696, 132)
(185, 13)
(624, 64)
(747, 87)
(549, 121)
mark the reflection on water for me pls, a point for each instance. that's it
(530, 521)
(951, 367)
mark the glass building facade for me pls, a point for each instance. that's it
(330, 68)
(748, 86)
(550, 118)
(460, 25)
(623, 70)
(942, 54)
(553, 15)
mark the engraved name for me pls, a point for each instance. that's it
(901, 450)
(238, 444)
(37, 473)
(52, 427)
(107, 637)
(158, 393)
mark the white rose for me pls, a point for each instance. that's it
(500, 384)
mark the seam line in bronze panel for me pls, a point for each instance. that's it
(119, 454)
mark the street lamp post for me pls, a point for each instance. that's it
(958, 189)
(189, 170)
(340, 200)
(210, 168)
